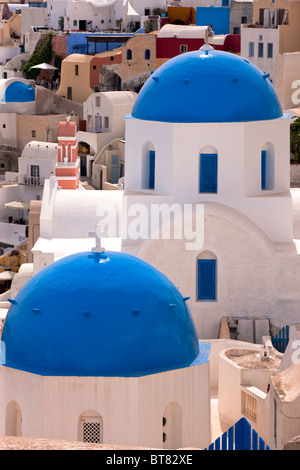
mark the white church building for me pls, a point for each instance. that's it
(206, 140)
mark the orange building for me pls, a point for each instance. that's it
(67, 165)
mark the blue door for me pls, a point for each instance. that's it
(208, 173)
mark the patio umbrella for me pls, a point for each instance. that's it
(44, 66)
(18, 205)
(21, 205)
(6, 275)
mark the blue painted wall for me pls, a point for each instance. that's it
(77, 43)
(217, 17)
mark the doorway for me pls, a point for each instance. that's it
(82, 25)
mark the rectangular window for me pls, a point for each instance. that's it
(251, 49)
(151, 169)
(206, 279)
(270, 50)
(98, 101)
(76, 69)
(33, 133)
(183, 48)
(208, 173)
(34, 170)
(263, 169)
(225, 3)
(106, 122)
(260, 49)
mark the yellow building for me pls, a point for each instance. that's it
(138, 56)
(75, 77)
(80, 74)
(274, 31)
(283, 15)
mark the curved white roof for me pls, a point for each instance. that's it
(115, 97)
(181, 31)
(40, 150)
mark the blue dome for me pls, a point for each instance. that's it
(207, 86)
(19, 92)
(99, 315)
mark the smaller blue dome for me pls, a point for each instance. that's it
(95, 314)
(207, 86)
(19, 92)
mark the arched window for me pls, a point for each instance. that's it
(13, 419)
(91, 427)
(172, 426)
(147, 54)
(129, 54)
(267, 167)
(208, 172)
(206, 276)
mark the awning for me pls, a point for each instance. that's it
(131, 12)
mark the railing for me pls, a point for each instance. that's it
(31, 180)
(249, 406)
(239, 437)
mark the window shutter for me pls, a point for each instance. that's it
(263, 168)
(207, 279)
(261, 15)
(151, 169)
(208, 173)
(280, 15)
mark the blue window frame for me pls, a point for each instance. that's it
(207, 279)
(251, 49)
(208, 173)
(151, 169)
(263, 169)
(270, 50)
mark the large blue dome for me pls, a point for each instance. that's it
(207, 86)
(95, 314)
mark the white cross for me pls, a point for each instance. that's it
(98, 248)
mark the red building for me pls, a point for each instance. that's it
(173, 40)
(67, 165)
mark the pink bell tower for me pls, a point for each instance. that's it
(67, 165)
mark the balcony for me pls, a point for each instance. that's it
(31, 180)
